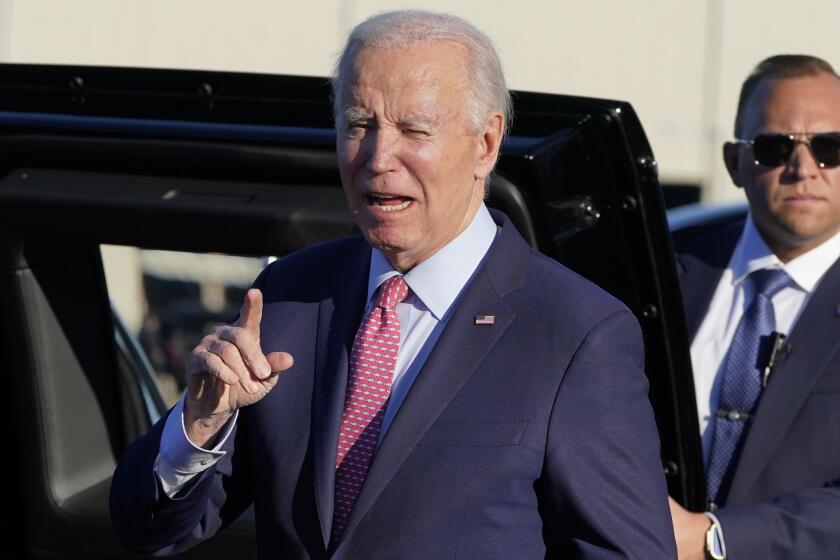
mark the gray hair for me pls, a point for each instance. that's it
(401, 29)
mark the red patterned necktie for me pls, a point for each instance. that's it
(372, 363)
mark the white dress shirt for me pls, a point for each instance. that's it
(731, 299)
(436, 285)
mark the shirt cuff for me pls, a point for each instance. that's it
(179, 460)
(717, 544)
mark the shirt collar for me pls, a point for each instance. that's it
(438, 280)
(806, 270)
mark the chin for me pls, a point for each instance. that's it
(384, 240)
(805, 234)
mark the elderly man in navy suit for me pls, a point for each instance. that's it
(763, 305)
(447, 392)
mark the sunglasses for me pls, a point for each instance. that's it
(772, 150)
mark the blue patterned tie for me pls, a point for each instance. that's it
(742, 374)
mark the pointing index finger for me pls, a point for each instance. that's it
(251, 313)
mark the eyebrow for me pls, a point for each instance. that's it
(355, 114)
(416, 120)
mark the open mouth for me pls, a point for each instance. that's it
(388, 203)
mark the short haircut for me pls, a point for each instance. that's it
(400, 29)
(779, 67)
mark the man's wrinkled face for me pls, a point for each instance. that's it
(412, 169)
(796, 205)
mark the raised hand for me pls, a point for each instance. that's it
(227, 370)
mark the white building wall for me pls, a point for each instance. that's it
(679, 62)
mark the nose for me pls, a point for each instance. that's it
(802, 163)
(382, 147)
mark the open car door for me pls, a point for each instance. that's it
(246, 165)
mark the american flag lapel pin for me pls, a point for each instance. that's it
(484, 319)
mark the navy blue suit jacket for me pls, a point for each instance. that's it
(530, 438)
(784, 500)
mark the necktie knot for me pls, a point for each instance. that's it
(391, 292)
(769, 281)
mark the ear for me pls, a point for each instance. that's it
(488, 145)
(731, 158)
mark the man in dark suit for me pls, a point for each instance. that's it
(453, 393)
(762, 299)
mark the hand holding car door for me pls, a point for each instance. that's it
(228, 371)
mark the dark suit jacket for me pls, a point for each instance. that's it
(529, 438)
(784, 501)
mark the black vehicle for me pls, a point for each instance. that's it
(245, 164)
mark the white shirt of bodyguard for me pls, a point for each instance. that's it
(732, 297)
(435, 284)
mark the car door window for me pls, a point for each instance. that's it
(168, 300)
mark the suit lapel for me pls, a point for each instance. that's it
(338, 320)
(700, 269)
(813, 343)
(459, 351)
(698, 283)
